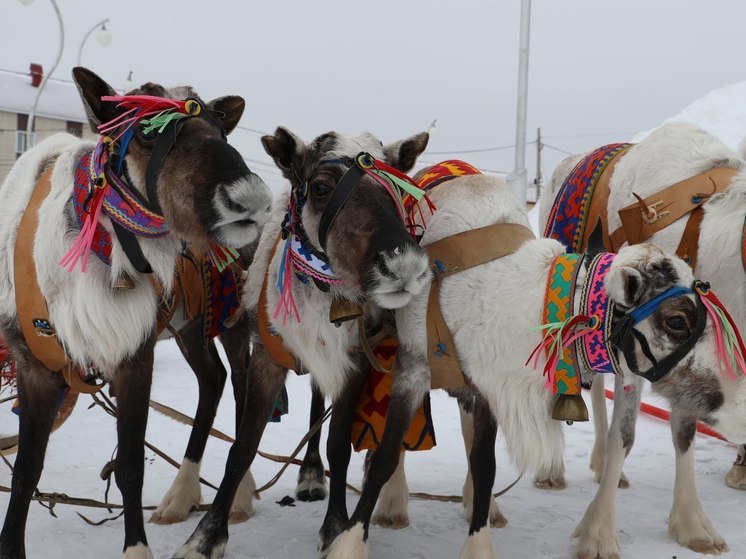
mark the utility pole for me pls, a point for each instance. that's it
(518, 180)
(537, 180)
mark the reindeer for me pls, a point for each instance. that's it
(379, 265)
(165, 151)
(670, 154)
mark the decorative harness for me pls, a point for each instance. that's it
(598, 330)
(100, 186)
(582, 202)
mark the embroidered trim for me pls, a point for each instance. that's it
(594, 350)
(558, 307)
(569, 213)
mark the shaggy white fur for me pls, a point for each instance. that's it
(243, 503)
(181, 497)
(478, 546)
(393, 501)
(94, 323)
(349, 544)
(139, 551)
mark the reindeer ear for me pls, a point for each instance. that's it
(625, 285)
(285, 148)
(404, 153)
(231, 107)
(91, 89)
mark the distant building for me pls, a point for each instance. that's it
(59, 110)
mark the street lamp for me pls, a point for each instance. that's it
(129, 85)
(103, 37)
(432, 130)
(30, 123)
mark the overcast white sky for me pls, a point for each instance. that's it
(600, 71)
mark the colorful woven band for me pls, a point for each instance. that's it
(444, 171)
(569, 213)
(558, 307)
(594, 349)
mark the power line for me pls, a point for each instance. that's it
(557, 149)
(476, 150)
(254, 130)
(591, 135)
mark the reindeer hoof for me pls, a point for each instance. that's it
(310, 495)
(393, 522)
(169, 516)
(736, 477)
(239, 516)
(498, 520)
(556, 484)
(708, 547)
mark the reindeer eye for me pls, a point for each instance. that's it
(676, 322)
(321, 189)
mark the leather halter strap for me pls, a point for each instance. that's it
(449, 256)
(338, 199)
(33, 315)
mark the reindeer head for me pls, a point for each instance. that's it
(203, 186)
(672, 341)
(365, 240)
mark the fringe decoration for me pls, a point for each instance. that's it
(557, 337)
(81, 248)
(730, 346)
(220, 256)
(138, 107)
(286, 304)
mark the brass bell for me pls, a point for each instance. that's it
(569, 408)
(124, 281)
(342, 310)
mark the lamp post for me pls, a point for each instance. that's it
(129, 85)
(103, 37)
(30, 123)
(517, 180)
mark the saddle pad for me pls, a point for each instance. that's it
(370, 414)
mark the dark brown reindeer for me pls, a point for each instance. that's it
(383, 268)
(175, 177)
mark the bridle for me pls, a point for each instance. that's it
(155, 120)
(624, 334)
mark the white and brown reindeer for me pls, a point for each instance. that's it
(672, 154)
(175, 169)
(377, 262)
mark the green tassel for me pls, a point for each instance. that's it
(410, 189)
(222, 257)
(160, 121)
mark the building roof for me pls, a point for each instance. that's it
(60, 98)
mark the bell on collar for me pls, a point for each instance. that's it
(342, 310)
(124, 281)
(569, 407)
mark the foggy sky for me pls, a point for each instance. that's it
(600, 71)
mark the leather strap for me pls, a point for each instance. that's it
(449, 256)
(689, 245)
(272, 342)
(337, 200)
(597, 210)
(33, 315)
(670, 204)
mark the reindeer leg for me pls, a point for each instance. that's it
(185, 493)
(688, 522)
(597, 529)
(38, 394)
(311, 477)
(409, 388)
(264, 382)
(237, 344)
(466, 410)
(601, 429)
(338, 451)
(736, 476)
(482, 464)
(132, 382)
(393, 502)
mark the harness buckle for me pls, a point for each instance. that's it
(650, 214)
(43, 328)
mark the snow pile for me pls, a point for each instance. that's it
(721, 112)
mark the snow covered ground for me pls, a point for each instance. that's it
(540, 522)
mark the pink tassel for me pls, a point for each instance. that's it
(82, 245)
(286, 304)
